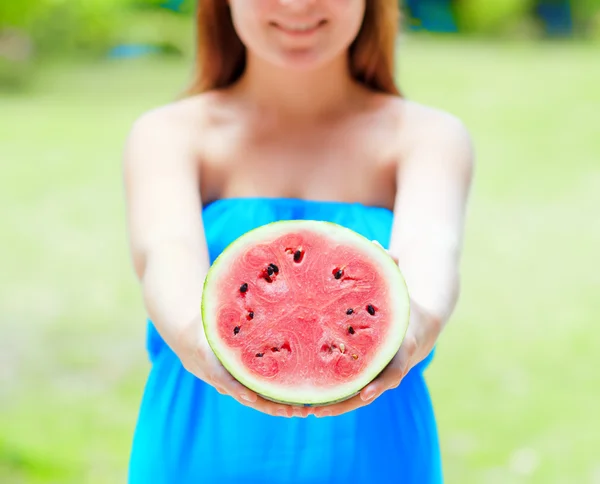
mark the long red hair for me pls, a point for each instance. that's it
(221, 55)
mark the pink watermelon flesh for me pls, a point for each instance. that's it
(306, 312)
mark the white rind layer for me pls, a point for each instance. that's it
(308, 395)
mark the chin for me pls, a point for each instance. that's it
(302, 60)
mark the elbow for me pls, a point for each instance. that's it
(139, 265)
(452, 299)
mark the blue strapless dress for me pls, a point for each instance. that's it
(188, 433)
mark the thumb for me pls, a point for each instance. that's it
(394, 258)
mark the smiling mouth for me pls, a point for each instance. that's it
(299, 28)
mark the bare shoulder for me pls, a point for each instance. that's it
(441, 137)
(174, 124)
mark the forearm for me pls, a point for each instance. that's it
(431, 274)
(172, 285)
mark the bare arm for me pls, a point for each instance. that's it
(169, 250)
(433, 187)
(429, 213)
(433, 190)
(165, 227)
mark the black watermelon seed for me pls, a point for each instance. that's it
(338, 274)
(270, 271)
(371, 310)
(251, 315)
(275, 268)
(236, 330)
(297, 256)
(243, 288)
(350, 311)
(260, 355)
(351, 330)
(275, 350)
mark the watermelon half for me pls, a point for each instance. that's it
(305, 312)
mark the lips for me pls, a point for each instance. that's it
(299, 28)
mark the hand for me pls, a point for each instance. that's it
(421, 335)
(197, 357)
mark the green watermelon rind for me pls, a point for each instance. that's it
(359, 383)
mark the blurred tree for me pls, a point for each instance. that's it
(16, 46)
(98, 27)
(586, 17)
(67, 27)
(156, 26)
(494, 17)
(556, 16)
(505, 17)
(94, 27)
(431, 15)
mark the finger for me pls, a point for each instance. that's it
(232, 387)
(394, 258)
(301, 412)
(278, 409)
(235, 388)
(223, 379)
(393, 374)
(340, 408)
(220, 377)
(388, 379)
(225, 383)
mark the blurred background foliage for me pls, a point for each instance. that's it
(40, 29)
(34, 30)
(516, 375)
(94, 27)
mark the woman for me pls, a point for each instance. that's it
(293, 114)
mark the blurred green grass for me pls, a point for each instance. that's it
(515, 378)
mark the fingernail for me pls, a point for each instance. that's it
(281, 412)
(369, 394)
(324, 413)
(248, 398)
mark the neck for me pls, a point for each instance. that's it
(310, 93)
